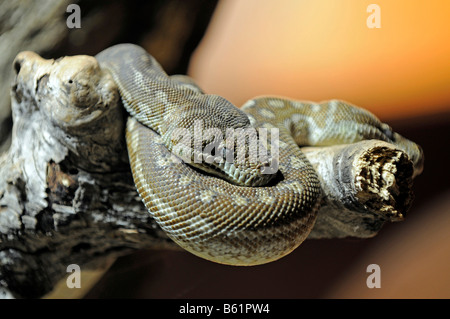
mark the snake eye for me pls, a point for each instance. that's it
(70, 81)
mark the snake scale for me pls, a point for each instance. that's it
(225, 212)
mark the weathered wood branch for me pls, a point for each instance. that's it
(67, 194)
(36, 25)
(365, 184)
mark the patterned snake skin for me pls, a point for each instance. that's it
(229, 213)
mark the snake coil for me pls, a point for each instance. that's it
(237, 215)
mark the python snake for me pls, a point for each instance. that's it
(229, 213)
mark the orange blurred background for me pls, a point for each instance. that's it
(319, 50)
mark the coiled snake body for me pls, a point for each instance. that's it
(242, 217)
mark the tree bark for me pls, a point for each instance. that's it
(67, 195)
(35, 25)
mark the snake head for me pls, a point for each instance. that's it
(223, 144)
